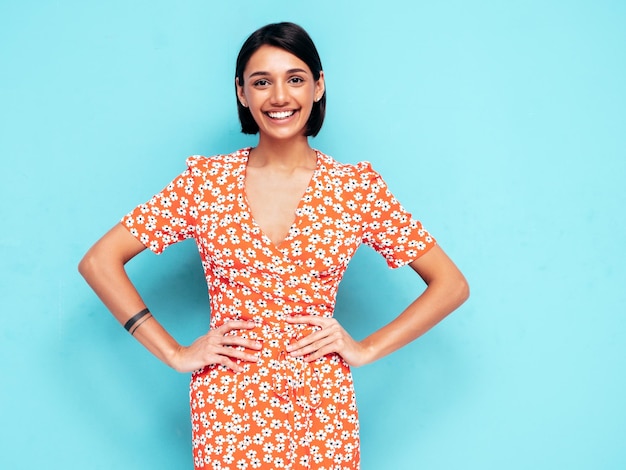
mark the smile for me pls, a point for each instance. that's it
(280, 114)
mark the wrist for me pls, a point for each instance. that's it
(173, 357)
(159, 342)
(368, 353)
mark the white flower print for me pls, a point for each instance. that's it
(263, 417)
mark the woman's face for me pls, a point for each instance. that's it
(279, 89)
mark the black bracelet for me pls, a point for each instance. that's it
(134, 319)
(139, 323)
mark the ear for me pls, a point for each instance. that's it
(240, 94)
(320, 87)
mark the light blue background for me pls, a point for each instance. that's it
(501, 125)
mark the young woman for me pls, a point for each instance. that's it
(276, 226)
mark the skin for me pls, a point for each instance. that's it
(281, 166)
(279, 170)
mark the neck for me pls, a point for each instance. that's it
(292, 153)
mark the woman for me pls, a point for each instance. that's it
(276, 226)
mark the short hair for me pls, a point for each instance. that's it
(295, 40)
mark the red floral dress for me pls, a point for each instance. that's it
(280, 412)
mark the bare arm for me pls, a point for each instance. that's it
(103, 269)
(446, 290)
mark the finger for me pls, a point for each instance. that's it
(225, 353)
(307, 340)
(242, 355)
(337, 346)
(243, 342)
(320, 343)
(331, 330)
(298, 319)
(304, 350)
(229, 363)
(236, 325)
(319, 353)
(309, 320)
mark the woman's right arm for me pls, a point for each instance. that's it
(103, 269)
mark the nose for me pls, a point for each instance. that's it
(280, 94)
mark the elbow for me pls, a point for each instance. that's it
(465, 290)
(86, 265)
(461, 289)
(90, 265)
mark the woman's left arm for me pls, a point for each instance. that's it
(446, 290)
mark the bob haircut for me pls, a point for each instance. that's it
(295, 40)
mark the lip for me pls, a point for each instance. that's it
(282, 115)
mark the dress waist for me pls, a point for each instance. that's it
(276, 334)
(291, 378)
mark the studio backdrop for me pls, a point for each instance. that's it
(500, 125)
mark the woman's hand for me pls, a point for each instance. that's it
(446, 290)
(217, 347)
(330, 338)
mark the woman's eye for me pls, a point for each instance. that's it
(261, 83)
(296, 80)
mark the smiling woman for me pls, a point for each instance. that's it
(289, 38)
(279, 90)
(276, 226)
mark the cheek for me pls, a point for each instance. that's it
(256, 97)
(307, 96)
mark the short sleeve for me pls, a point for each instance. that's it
(387, 227)
(170, 215)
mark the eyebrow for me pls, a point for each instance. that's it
(262, 73)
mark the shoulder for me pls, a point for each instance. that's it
(200, 164)
(361, 171)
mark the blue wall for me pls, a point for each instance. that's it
(500, 124)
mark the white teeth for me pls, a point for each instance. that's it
(280, 115)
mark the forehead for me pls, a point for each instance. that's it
(272, 59)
